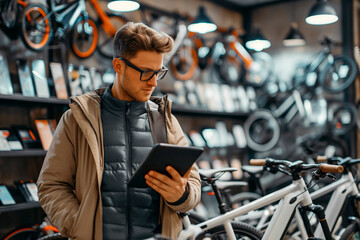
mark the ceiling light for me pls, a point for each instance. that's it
(202, 23)
(322, 13)
(294, 37)
(123, 6)
(258, 42)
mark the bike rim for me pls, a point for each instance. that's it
(84, 51)
(38, 15)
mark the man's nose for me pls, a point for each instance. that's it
(153, 81)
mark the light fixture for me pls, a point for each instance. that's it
(123, 6)
(202, 23)
(294, 37)
(258, 42)
(321, 13)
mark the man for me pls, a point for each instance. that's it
(102, 140)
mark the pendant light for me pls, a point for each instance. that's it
(202, 23)
(321, 13)
(123, 6)
(294, 37)
(258, 42)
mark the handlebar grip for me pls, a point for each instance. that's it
(321, 158)
(331, 168)
(257, 162)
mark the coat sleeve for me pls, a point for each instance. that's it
(177, 137)
(57, 177)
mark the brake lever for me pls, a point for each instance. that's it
(331, 176)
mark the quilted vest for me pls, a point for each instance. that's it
(128, 213)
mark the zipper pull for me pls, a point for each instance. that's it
(127, 108)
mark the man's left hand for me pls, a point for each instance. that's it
(171, 189)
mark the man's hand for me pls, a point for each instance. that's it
(171, 189)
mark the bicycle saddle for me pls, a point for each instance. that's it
(252, 170)
(212, 173)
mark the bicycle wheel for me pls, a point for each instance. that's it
(35, 27)
(185, 62)
(84, 38)
(23, 234)
(9, 12)
(260, 69)
(344, 119)
(242, 231)
(106, 37)
(262, 131)
(339, 75)
(351, 232)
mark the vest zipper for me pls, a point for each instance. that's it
(129, 173)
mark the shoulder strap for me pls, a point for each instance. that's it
(157, 123)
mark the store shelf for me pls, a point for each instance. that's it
(23, 153)
(200, 112)
(19, 206)
(21, 98)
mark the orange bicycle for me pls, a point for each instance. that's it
(41, 25)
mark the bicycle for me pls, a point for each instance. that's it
(337, 74)
(40, 25)
(290, 197)
(10, 11)
(44, 231)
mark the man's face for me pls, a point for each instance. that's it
(128, 85)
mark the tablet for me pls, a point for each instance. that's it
(162, 155)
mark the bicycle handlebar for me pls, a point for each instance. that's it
(257, 162)
(297, 166)
(345, 162)
(328, 168)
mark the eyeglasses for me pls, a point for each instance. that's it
(146, 75)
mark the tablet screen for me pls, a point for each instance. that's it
(162, 155)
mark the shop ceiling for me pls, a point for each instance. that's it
(243, 4)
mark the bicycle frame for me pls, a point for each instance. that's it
(76, 7)
(318, 60)
(342, 188)
(290, 197)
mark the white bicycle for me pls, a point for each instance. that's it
(294, 195)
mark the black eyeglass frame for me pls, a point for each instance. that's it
(164, 69)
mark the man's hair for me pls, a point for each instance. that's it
(134, 37)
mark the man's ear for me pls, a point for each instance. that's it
(118, 65)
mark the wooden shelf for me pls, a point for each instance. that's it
(23, 153)
(21, 98)
(19, 206)
(200, 112)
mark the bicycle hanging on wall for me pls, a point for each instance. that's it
(41, 25)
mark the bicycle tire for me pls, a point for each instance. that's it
(23, 234)
(53, 237)
(78, 35)
(244, 198)
(326, 80)
(351, 232)
(183, 67)
(270, 127)
(336, 126)
(9, 13)
(260, 70)
(35, 33)
(240, 230)
(105, 42)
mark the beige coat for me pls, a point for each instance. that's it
(70, 179)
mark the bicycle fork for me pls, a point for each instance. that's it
(320, 214)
